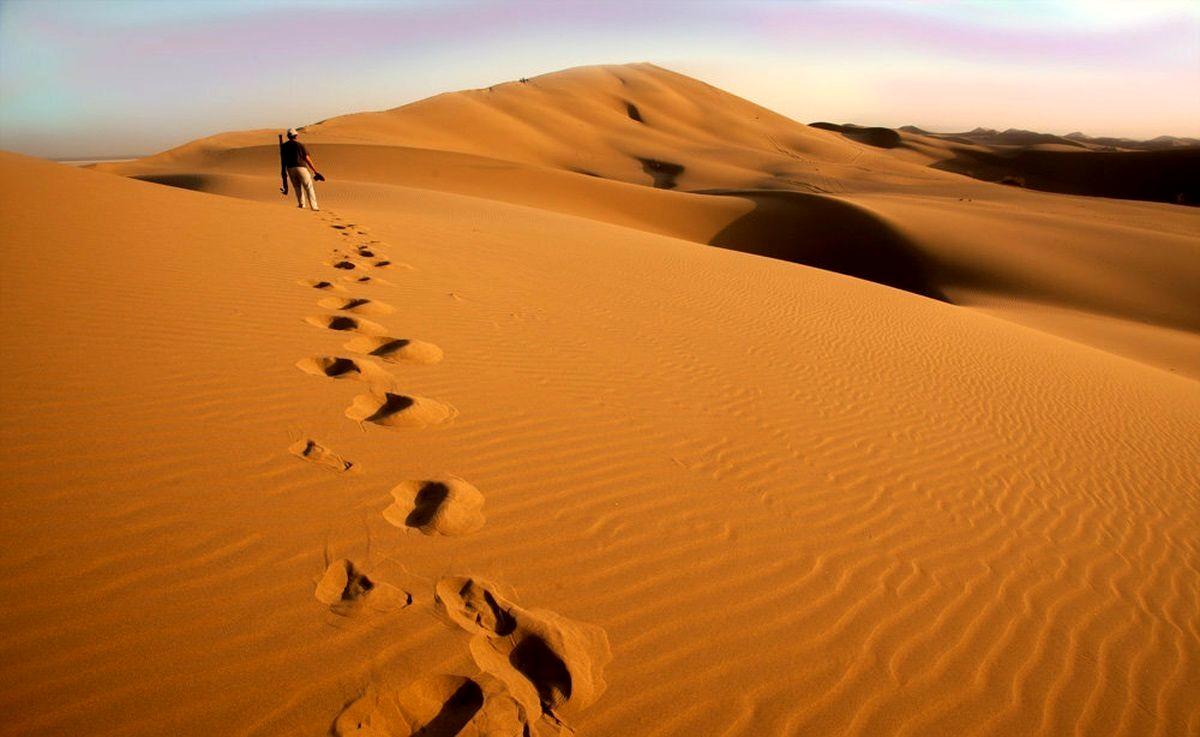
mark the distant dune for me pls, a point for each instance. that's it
(1165, 169)
(605, 403)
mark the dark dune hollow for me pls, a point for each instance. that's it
(871, 136)
(664, 173)
(829, 234)
(195, 182)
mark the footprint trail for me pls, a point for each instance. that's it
(534, 665)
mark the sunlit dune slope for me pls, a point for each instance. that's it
(643, 147)
(590, 120)
(727, 494)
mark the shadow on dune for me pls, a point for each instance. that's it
(810, 229)
(871, 136)
(224, 184)
(830, 234)
(664, 173)
(197, 182)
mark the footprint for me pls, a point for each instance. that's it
(396, 350)
(390, 264)
(312, 451)
(336, 367)
(548, 663)
(347, 591)
(321, 284)
(357, 305)
(473, 606)
(339, 227)
(436, 706)
(365, 252)
(344, 323)
(344, 265)
(356, 279)
(448, 506)
(397, 410)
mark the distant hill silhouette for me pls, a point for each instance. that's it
(1163, 169)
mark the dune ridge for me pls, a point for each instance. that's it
(688, 490)
(567, 142)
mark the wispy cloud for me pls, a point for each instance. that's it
(81, 77)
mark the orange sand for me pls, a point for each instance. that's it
(561, 465)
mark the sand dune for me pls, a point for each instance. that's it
(883, 214)
(1160, 170)
(492, 446)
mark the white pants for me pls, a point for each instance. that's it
(302, 182)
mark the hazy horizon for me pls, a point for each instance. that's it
(85, 80)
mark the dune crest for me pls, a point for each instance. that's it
(867, 202)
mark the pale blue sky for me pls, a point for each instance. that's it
(82, 78)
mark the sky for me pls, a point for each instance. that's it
(93, 78)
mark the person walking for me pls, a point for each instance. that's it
(296, 164)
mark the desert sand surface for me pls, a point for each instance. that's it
(607, 403)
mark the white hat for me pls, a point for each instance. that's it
(292, 133)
